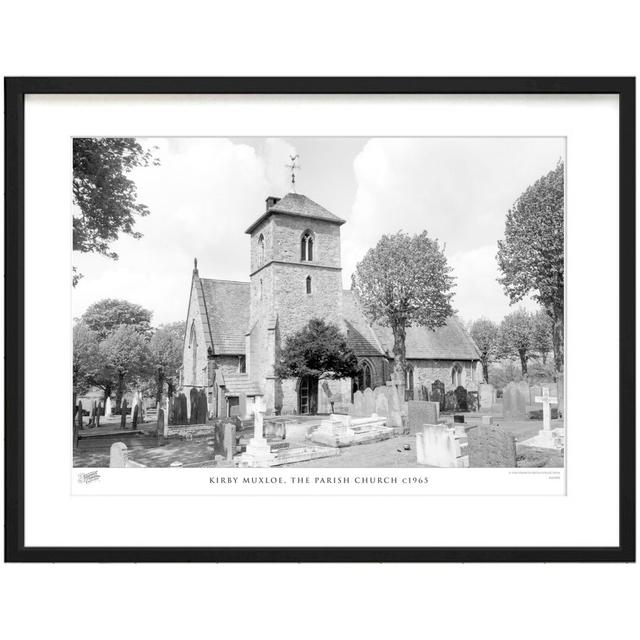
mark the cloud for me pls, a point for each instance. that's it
(204, 191)
(459, 190)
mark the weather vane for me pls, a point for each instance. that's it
(293, 166)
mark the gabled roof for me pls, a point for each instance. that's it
(450, 342)
(295, 204)
(360, 335)
(227, 309)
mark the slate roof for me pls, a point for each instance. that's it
(227, 310)
(450, 342)
(295, 204)
(226, 316)
(360, 335)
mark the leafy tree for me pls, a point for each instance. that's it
(516, 337)
(531, 257)
(106, 315)
(86, 358)
(166, 354)
(105, 198)
(318, 350)
(485, 334)
(542, 334)
(405, 281)
(126, 354)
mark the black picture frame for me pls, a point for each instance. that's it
(15, 91)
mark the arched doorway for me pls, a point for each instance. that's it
(308, 396)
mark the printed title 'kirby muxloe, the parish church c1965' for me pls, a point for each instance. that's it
(235, 330)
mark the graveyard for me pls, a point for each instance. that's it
(523, 428)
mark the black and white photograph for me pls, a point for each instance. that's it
(318, 302)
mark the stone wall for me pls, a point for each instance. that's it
(194, 320)
(426, 372)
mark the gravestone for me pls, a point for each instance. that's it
(193, 405)
(75, 433)
(98, 412)
(182, 413)
(79, 415)
(118, 455)
(436, 446)
(92, 414)
(450, 402)
(437, 393)
(369, 405)
(487, 395)
(135, 416)
(242, 406)
(160, 433)
(423, 393)
(107, 408)
(461, 399)
(382, 405)
(472, 400)
(420, 413)
(123, 415)
(229, 442)
(203, 407)
(515, 398)
(358, 404)
(393, 400)
(491, 446)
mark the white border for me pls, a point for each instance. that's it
(53, 517)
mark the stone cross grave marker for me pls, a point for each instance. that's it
(547, 401)
(491, 446)
(242, 406)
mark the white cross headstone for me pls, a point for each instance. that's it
(546, 401)
(258, 422)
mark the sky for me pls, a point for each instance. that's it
(207, 191)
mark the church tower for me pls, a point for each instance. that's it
(295, 276)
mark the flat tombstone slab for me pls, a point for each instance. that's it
(420, 412)
(369, 403)
(491, 446)
(118, 455)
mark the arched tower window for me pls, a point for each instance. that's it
(456, 375)
(306, 247)
(260, 288)
(308, 284)
(261, 250)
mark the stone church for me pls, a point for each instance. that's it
(235, 330)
